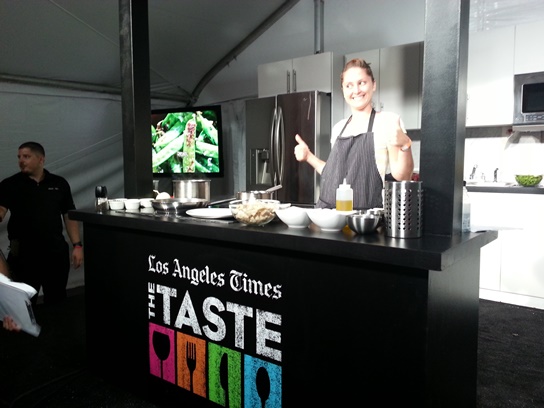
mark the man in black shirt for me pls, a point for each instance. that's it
(38, 202)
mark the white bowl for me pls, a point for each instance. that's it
(328, 219)
(146, 202)
(117, 203)
(294, 217)
(132, 204)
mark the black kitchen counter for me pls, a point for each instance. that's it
(327, 315)
(428, 252)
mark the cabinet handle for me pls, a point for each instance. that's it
(288, 82)
(294, 80)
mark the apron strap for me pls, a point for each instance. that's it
(370, 123)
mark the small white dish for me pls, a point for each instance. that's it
(146, 202)
(117, 203)
(216, 213)
(132, 204)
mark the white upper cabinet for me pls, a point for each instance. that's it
(398, 72)
(490, 77)
(310, 73)
(529, 49)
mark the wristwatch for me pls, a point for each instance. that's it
(78, 244)
(407, 145)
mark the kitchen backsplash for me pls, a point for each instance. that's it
(489, 148)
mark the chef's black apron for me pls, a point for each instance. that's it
(354, 159)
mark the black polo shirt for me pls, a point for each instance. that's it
(36, 209)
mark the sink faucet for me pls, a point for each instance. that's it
(495, 175)
(471, 177)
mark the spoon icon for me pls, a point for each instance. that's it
(262, 381)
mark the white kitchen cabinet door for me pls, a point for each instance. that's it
(529, 48)
(398, 72)
(490, 265)
(274, 78)
(313, 72)
(522, 269)
(522, 263)
(490, 77)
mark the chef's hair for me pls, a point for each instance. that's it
(34, 147)
(357, 63)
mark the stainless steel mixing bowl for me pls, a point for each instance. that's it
(364, 222)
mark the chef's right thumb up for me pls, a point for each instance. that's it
(301, 149)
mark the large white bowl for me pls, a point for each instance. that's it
(294, 217)
(328, 219)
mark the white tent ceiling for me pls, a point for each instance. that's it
(78, 41)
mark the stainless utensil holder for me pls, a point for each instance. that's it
(403, 209)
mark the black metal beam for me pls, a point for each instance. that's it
(444, 114)
(135, 93)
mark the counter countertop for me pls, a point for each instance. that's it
(488, 188)
(428, 252)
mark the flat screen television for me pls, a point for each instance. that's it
(187, 142)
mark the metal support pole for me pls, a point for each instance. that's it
(135, 93)
(444, 114)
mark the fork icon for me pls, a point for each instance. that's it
(191, 360)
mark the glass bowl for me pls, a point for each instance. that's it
(254, 212)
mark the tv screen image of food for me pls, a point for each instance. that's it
(186, 142)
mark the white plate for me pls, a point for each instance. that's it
(210, 213)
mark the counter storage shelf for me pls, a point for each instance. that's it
(326, 315)
(505, 189)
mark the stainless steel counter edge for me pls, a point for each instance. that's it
(428, 252)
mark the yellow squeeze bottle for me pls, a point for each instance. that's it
(344, 197)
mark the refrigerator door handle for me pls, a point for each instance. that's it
(288, 82)
(279, 147)
(273, 151)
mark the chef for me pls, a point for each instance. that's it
(365, 146)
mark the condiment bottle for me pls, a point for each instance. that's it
(465, 219)
(344, 197)
(101, 198)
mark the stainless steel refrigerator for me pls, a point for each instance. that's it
(271, 126)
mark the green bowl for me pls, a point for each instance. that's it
(528, 180)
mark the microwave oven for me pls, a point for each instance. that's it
(529, 102)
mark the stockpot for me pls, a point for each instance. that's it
(191, 189)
